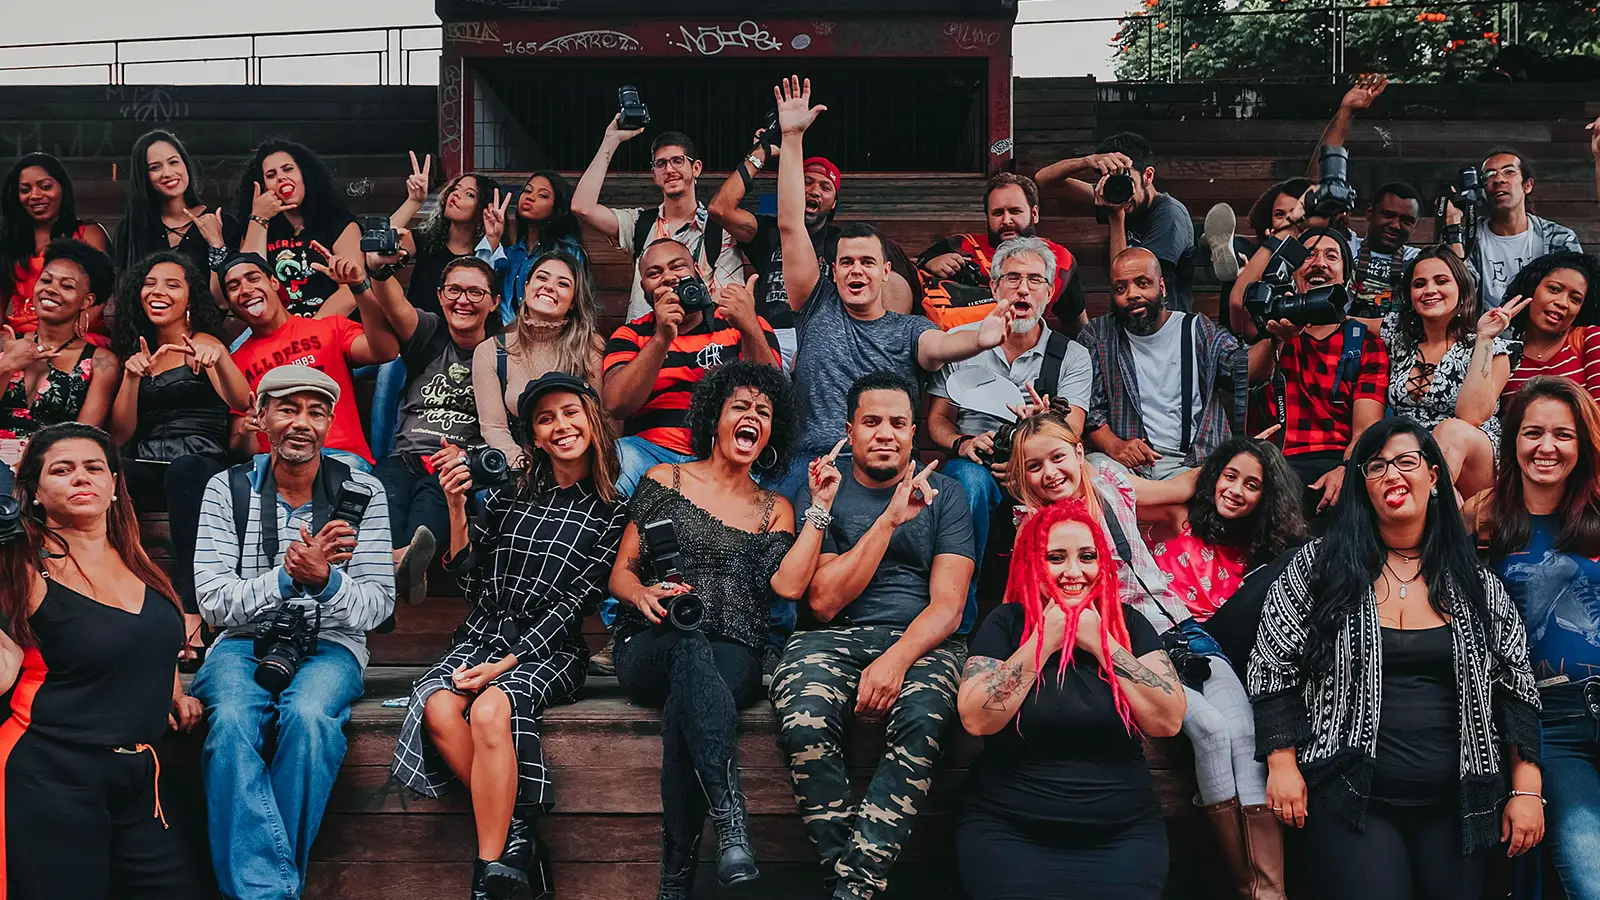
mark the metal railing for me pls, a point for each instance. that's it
(114, 60)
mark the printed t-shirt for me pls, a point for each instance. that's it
(321, 344)
(439, 404)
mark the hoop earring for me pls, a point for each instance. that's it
(767, 465)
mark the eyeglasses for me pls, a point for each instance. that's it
(1511, 171)
(454, 292)
(1409, 461)
(676, 162)
(1012, 279)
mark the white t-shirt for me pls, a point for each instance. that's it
(1158, 363)
(1503, 258)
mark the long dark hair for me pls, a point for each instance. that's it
(433, 236)
(1352, 554)
(24, 556)
(1579, 513)
(323, 206)
(1278, 521)
(142, 232)
(16, 225)
(537, 469)
(1529, 278)
(132, 322)
(561, 227)
(1465, 322)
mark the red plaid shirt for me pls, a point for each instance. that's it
(1319, 420)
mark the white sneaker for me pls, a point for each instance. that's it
(1218, 235)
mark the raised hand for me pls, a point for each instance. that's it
(737, 302)
(912, 495)
(1366, 89)
(1494, 322)
(138, 365)
(210, 226)
(344, 270)
(823, 476)
(1109, 163)
(265, 204)
(795, 112)
(20, 353)
(1034, 405)
(205, 355)
(617, 135)
(417, 181)
(494, 218)
(994, 327)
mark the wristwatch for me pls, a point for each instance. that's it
(755, 162)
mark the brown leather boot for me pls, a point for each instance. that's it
(1229, 828)
(1263, 841)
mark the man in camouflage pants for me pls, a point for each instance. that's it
(876, 642)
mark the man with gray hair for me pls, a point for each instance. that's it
(1023, 272)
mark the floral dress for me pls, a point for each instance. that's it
(1203, 575)
(1430, 401)
(60, 398)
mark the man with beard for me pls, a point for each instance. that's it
(1031, 355)
(1167, 384)
(875, 642)
(1011, 205)
(680, 216)
(1382, 257)
(269, 546)
(1331, 380)
(1508, 238)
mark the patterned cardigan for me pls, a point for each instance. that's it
(1331, 719)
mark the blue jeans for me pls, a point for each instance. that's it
(983, 495)
(269, 763)
(415, 498)
(1571, 720)
(387, 394)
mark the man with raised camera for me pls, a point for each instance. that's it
(1331, 379)
(680, 217)
(653, 362)
(1011, 208)
(1032, 355)
(294, 563)
(875, 642)
(1506, 237)
(1124, 194)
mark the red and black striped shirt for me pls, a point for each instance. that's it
(663, 419)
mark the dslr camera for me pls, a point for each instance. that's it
(11, 529)
(685, 612)
(633, 114)
(1004, 437)
(1333, 196)
(284, 638)
(1466, 193)
(488, 467)
(1274, 296)
(378, 236)
(693, 294)
(1118, 188)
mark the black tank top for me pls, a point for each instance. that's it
(180, 413)
(1419, 730)
(106, 673)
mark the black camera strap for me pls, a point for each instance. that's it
(1188, 384)
(331, 474)
(1055, 353)
(1124, 548)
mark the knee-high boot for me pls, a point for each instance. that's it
(1263, 841)
(1228, 825)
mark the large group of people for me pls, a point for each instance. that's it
(1351, 562)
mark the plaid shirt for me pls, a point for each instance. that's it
(1319, 419)
(1114, 400)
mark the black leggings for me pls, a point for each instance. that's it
(700, 684)
(1403, 853)
(178, 487)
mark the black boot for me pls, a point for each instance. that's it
(736, 862)
(501, 882)
(477, 891)
(526, 853)
(678, 861)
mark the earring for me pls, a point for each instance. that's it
(767, 465)
(37, 502)
(1434, 491)
(113, 498)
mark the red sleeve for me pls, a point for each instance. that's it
(345, 333)
(1374, 381)
(771, 336)
(623, 348)
(1591, 360)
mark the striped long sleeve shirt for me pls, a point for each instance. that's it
(359, 594)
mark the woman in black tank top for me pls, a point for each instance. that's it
(91, 648)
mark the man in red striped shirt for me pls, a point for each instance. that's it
(653, 363)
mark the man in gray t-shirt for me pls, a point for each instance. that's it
(875, 641)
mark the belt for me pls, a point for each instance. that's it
(137, 749)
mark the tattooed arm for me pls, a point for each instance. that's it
(1485, 378)
(1154, 693)
(992, 690)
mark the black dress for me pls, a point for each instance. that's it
(59, 399)
(1060, 803)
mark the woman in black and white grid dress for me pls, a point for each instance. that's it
(532, 565)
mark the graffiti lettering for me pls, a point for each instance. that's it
(62, 139)
(709, 40)
(878, 38)
(450, 107)
(970, 37)
(1000, 147)
(578, 40)
(822, 28)
(471, 32)
(147, 104)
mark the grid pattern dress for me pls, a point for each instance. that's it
(536, 568)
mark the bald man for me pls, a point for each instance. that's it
(1141, 412)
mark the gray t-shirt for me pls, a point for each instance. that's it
(439, 403)
(1073, 385)
(1166, 229)
(835, 350)
(898, 591)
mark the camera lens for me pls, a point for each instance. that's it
(276, 669)
(1118, 189)
(686, 612)
(488, 466)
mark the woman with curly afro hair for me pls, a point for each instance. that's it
(740, 558)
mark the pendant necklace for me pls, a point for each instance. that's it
(1403, 582)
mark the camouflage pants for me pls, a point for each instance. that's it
(814, 691)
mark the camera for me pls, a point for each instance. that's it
(1118, 188)
(1004, 437)
(1193, 669)
(488, 467)
(1467, 193)
(633, 114)
(284, 638)
(1274, 296)
(771, 135)
(350, 505)
(378, 236)
(693, 295)
(685, 612)
(11, 529)
(1333, 196)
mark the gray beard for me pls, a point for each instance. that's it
(1023, 326)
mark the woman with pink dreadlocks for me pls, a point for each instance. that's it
(1062, 680)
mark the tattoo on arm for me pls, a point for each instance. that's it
(1003, 686)
(1488, 358)
(1126, 666)
(979, 666)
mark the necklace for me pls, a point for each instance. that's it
(1403, 582)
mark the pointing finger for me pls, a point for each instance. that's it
(144, 346)
(833, 454)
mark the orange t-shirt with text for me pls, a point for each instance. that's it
(321, 344)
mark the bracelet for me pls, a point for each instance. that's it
(215, 257)
(955, 445)
(260, 220)
(818, 517)
(382, 273)
(1533, 794)
(362, 286)
(755, 161)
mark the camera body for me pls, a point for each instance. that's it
(11, 529)
(685, 612)
(771, 135)
(1004, 438)
(632, 113)
(379, 236)
(1333, 196)
(284, 637)
(1274, 296)
(693, 294)
(488, 467)
(1467, 193)
(350, 505)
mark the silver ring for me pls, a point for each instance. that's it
(1277, 809)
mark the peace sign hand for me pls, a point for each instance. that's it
(824, 478)
(912, 495)
(1033, 406)
(210, 226)
(494, 218)
(342, 269)
(795, 112)
(1494, 322)
(417, 181)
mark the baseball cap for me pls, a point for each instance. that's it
(827, 167)
(244, 258)
(547, 383)
(286, 381)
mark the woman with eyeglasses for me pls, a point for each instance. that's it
(1393, 699)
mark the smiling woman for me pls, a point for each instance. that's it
(1560, 330)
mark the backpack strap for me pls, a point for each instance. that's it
(239, 487)
(711, 245)
(643, 229)
(1353, 339)
(1055, 353)
(1188, 383)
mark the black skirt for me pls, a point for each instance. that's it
(1013, 859)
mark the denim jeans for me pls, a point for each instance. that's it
(983, 495)
(269, 764)
(636, 456)
(388, 392)
(415, 498)
(1571, 720)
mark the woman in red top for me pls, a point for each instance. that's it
(1560, 332)
(37, 205)
(1246, 510)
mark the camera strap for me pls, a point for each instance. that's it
(1119, 540)
(1055, 353)
(331, 473)
(1188, 383)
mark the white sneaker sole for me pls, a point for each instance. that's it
(1220, 226)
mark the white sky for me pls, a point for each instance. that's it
(1040, 50)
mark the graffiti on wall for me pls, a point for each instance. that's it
(597, 39)
(710, 40)
(472, 32)
(450, 106)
